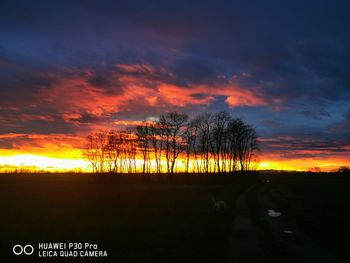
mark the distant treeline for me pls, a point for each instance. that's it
(206, 143)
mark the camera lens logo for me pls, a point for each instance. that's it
(19, 250)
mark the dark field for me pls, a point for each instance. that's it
(165, 219)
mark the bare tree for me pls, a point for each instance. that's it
(113, 150)
(220, 121)
(243, 143)
(143, 133)
(189, 139)
(172, 124)
(96, 149)
(208, 143)
(90, 152)
(204, 123)
(157, 145)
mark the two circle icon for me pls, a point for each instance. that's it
(27, 249)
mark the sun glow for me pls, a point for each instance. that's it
(264, 165)
(29, 162)
(33, 162)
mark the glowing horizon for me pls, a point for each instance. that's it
(34, 162)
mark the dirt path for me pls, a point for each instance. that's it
(258, 237)
(244, 241)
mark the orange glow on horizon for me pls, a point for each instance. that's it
(62, 152)
(73, 161)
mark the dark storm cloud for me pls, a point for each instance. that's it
(342, 128)
(194, 70)
(347, 117)
(317, 115)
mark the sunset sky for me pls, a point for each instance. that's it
(68, 68)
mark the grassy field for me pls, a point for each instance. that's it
(319, 204)
(165, 218)
(136, 219)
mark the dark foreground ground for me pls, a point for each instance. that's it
(165, 219)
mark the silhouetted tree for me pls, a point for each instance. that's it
(218, 137)
(210, 142)
(95, 150)
(143, 134)
(344, 169)
(157, 145)
(90, 152)
(172, 125)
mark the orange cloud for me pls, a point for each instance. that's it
(54, 145)
(235, 96)
(136, 68)
(72, 94)
(76, 93)
(244, 99)
(179, 96)
(129, 123)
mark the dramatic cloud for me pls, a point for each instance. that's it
(69, 68)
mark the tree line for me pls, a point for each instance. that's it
(206, 143)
